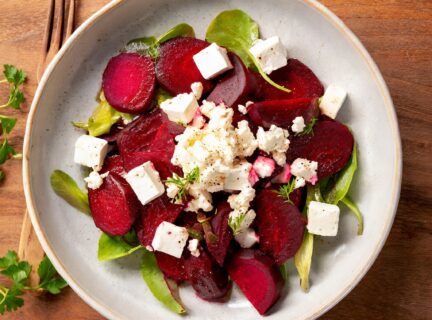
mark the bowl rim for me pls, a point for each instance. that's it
(104, 309)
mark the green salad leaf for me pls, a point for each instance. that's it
(49, 278)
(161, 95)
(102, 119)
(114, 247)
(165, 291)
(284, 272)
(303, 260)
(67, 189)
(149, 45)
(353, 207)
(237, 31)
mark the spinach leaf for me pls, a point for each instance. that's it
(149, 45)
(65, 187)
(343, 180)
(353, 207)
(303, 260)
(164, 290)
(114, 247)
(237, 31)
(102, 119)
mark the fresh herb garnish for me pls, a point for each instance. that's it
(6, 150)
(236, 222)
(309, 128)
(237, 31)
(286, 190)
(114, 247)
(18, 272)
(183, 183)
(15, 77)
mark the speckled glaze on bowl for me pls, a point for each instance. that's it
(67, 92)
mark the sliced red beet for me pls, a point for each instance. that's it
(331, 145)
(297, 197)
(138, 135)
(280, 226)
(176, 69)
(153, 214)
(129, 82)
(218, 249)
(171, 267)
(282, 112)
(258, 277)
(113, 164)
(296, 76)
(114, 205)
(160, 161)
(163, 141)
(209, 280)
(235, 86)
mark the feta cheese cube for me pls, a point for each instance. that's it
(323, 218)
(332, 100)
(246, 238)
(305, 169)
(90, 151)
(193, 247)
(145, 182)
(298, 125)
(95, 180)
(181, 108)
(238, 177)
(170, 239)
(212, 61)
(197, 89)
(270, 54)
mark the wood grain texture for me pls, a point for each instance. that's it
(398, 34)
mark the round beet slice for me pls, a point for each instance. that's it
(280, 226)
(235, 86)
(209, 280)
(114, 205)
(129, 82)
(296, 76)
(258, 277)
(171, 267)
(176, 69)
(282, 112)
(331, 145)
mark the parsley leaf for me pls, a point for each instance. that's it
(7, 124)
(15, 78)
(2, 175)
(6, 150)
(49, 279)
(309, 128)
(286, 190)
(9, 298)
(183, 183)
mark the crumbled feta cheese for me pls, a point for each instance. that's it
(238, 177)
(242, 200)
(332, 100)
(213, 177)
(202, 199)
(264, 166)
(323, 218)
(149, 248)
(193, 247)
(95, 180)
(197, 89)
(298, 125)
(305, 169)
(270, 54)
(253, 177)
(181, 108)
(242, 109)
(212, 61)
(246, 238)
(170, 239)
(249, 217)
(172, 190)
(145, 182)
(299, 182)
(249, 103)
(275, 142)
(90, 151)
(247, 143)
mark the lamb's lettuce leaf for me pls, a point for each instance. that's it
(303, 260)
(67, 189)
(114, 247)
(237, 31)
(166, 291)
(353, 207)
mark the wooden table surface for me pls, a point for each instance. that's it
(398, 34)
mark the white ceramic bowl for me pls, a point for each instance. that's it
(67, 92)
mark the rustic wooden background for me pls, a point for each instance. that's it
(398, 34)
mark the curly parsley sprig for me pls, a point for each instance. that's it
(309, 128)
(183, 183)
(18, 272)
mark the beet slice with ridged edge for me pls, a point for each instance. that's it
(129, 82)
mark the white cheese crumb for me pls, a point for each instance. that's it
(298, 125)
(299, 182)
(275, 142)
(332, 100)
(242, 109)
(95, 180)
(305, 169)
(193, 247)
(246, 238)
(197, 89)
